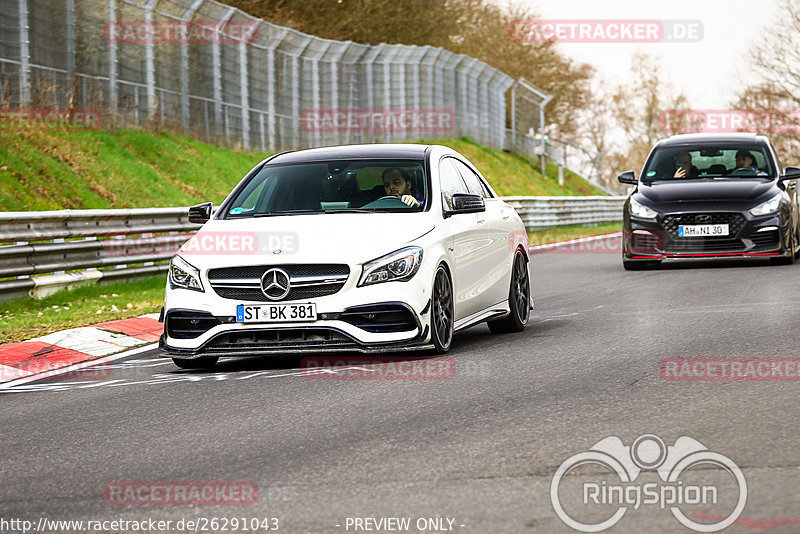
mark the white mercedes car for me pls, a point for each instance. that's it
(369, 248)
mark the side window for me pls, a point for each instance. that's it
(473, 181)
(451, 181)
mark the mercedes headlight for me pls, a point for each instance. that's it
(639, 210)
(767, 207)
(183, 275)
(398, 266)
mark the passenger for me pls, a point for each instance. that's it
(397, 182)
(685, 168)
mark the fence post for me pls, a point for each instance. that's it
(149, 60)
(112, 56)
(244, 83)
(296, 90)
(216, 65)
(70, 23)
(271, 89)
(24, 56)
(188, 15)
(315, 83)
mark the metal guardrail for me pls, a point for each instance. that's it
(44, 251)
(546, 212)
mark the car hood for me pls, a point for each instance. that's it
(321, 238)
(714, 189)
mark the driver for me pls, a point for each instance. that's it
(746, 161)
(397, 182)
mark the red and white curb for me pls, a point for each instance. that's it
(58, 350)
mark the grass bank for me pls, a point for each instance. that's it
(50, 169)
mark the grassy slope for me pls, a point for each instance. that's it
(56, 169)
(51, 169)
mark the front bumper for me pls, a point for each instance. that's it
(395, 317)
(749, 237)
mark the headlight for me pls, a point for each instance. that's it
(398, 266)
(767, 207)
(183, 275)
(642, 211)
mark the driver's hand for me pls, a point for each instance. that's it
(410, 200)
(680, 173)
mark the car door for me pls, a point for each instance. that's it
(500, 225)
(467, 244)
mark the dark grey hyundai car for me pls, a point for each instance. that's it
(711, 196)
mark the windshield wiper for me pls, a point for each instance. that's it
(353, 210)
(295, 212)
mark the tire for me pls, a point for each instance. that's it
(442, 318)
(787, 260)
(796, 241)
(519, 300)
(204, 362)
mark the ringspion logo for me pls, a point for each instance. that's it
(688, 475)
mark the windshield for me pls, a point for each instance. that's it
(708, 161)
(333, 186)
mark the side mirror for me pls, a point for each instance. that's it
(628, 177)
(790, 173)
(200, 213)
(466, 203)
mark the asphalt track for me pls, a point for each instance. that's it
(479, 446)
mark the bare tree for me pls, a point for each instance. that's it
(776, 57)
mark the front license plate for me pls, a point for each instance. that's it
(276, 313)
(703, 230)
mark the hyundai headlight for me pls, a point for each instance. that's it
(639, 210)
(398, 266)
(183, 275)
(767, 207)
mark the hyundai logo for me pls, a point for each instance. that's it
(275, 284)
(702, 219)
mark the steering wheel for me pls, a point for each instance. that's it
(390, 197)
(387, 198)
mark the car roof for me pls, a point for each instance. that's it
(366, 151)
(700, 138)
